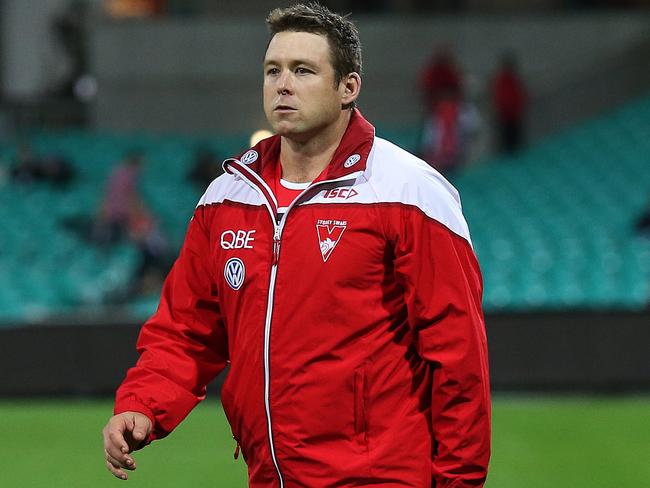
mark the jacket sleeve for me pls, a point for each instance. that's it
(183, 346)
(443, 288)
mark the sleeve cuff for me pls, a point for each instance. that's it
(132, 405)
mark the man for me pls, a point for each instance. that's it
(334, 272)
(510, 100)
(121, 199)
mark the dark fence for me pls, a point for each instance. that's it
(574, 352)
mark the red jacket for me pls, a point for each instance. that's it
(353, 328)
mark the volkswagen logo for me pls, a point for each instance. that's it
(234, 272)
(249, 157)
(351, 161)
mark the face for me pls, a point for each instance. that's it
(300, 96)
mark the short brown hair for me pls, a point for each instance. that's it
(341, 33)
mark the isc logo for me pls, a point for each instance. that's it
(343, 193)
(241, 239)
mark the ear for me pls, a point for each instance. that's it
(350, 87)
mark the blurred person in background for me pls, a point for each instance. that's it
(643, 229)
(449, 119)
(153, 247)
(121, 198)
(206, 166)
(643, 223)
(334, 272)
(32, 168)
(26, 168)
(154, 258)
(510, 100)
(440, 78)
(69, 30)
(447, 134)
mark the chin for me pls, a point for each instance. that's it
(284, 129)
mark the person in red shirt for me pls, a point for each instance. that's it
(440, 78)
(443, 135)
(510, 102)
(334, 272)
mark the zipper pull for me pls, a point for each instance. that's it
(236, 454)
(276, 246)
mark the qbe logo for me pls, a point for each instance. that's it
(242, 239)
(234, 272)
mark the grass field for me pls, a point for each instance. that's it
(537, 443)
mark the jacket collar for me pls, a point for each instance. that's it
(351, 155)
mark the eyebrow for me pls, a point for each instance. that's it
(293, 62)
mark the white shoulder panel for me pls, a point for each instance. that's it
(398, 176)
(232, 188)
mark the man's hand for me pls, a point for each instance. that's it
(123, 434)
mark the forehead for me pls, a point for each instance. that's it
(288, 45)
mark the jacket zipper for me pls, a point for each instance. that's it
(277, 237)
(276, 246)
(267, 342)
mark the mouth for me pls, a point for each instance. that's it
(284, 108)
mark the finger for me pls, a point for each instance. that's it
(129, 422)
(115, 447)
(128, 463)
(120, 465)
(116, 454)
(115, 450)
(116, 438)
(117, 472)
(141, 427)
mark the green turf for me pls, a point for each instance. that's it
(537, 442)
(571, 443)
(59, 444)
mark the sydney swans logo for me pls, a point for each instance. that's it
(329, 235)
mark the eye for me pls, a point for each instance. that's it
(303, 71)
(272, 71)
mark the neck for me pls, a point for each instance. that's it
(303, 160)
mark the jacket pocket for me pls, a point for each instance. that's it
(360, 427)
(230, 412)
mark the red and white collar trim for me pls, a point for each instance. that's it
(350, 156)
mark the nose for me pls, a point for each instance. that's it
(285, 83)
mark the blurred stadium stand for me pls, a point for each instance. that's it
(553, 227)
(69, 273)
